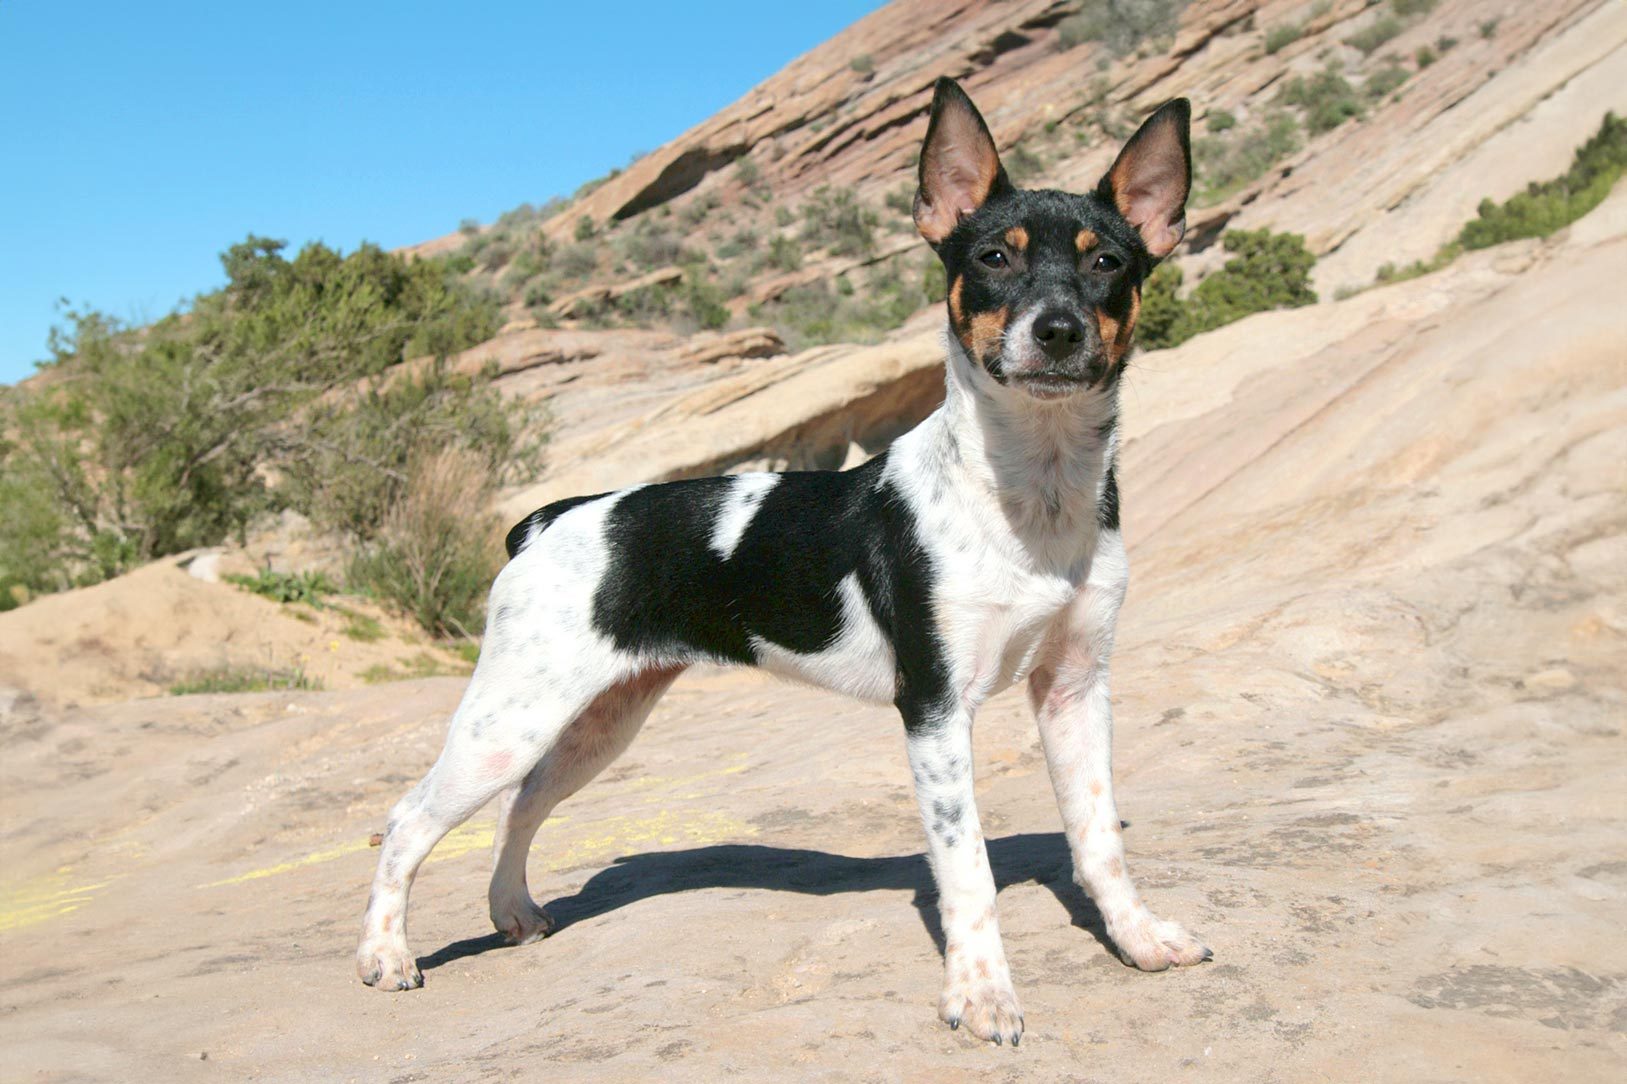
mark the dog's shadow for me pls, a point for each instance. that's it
(1039, 857)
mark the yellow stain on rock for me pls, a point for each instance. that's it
(42, 898)
(612, 836)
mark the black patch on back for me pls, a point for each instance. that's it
(1107, 509)
(540, 519)
(667, 592)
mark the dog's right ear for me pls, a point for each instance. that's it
(960, 168)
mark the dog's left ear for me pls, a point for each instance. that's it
(960, 167)
(1152, 177)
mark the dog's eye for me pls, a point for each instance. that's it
(1106, 261)
(993, 258)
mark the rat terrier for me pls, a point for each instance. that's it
(980, 550)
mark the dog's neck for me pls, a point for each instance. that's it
(1043, 464)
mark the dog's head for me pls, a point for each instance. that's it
(1045, 286)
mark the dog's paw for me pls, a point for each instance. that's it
(523, 922)
(1153, 945)
(388, 967)
(985, 1007)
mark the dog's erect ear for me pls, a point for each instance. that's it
(960, 169)
(1152, 177)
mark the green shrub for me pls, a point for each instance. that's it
(784, 253)
(1327, 98)
(704, 302)
(835, 219)
(1371, 38)
(1488, 29)
(747, 171)
(584, 229)
(1220, 121)
(1425, 56)
(307, 587)
(228, 679)
(821, 312)
(648, 245)
(1380, 83)
(1409, 8)
(1226, 163)
(1547, 206)
(1022, 164)
(162, 440)
(1120, 25)
(1279, 38)
(577, 262)
(862, 64)
(1267, 271)
(435, 551)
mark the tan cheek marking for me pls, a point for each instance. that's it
(987, 330)
(1085, 241)
(954, 298)
(1017, 238)
(1121, 344)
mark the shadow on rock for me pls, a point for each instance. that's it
(1039, 857)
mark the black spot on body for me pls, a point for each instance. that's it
(667, 593)
(541, 519)
(1107, 509)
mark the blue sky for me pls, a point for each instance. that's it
(140, 139)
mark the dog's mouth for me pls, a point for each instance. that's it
(1051, 383)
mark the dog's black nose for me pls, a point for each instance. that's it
(1058, 333)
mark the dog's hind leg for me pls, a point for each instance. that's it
(597, 736)
(494, 742)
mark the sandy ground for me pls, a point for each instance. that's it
(1370, 685)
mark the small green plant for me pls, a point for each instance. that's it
(1488, 29)
(584, 229)
(1279, 38)
(1407, 9)
(1547, 206)
(1226, 163)
(821, 312)
(1374, 36)
(1121, 25)
(747, 171)
(307, 587)
(835, 219)
(1023, 164)
(1267, 271)
(862, 64)
(1220, 121)
(422, 665)
(1382, 82)
(704, 301)
(1327, 98)
(1425, 56)
(251, 679)
(360, 627)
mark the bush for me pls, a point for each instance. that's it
(1369, 39)
(648, 246)
(164, 439)
(819, 312)
(155, 444)
(1408, 8)
(307, 587)
(1279, 38)
(1120, 25)
(704, 302)
(250, 679)
(1268, 271)
(1543, 208)
(1327, 98)
(1425, 56)
(862, 64)
(1220, 121)
(436, 550)
(1386, 79)
(836, 220)
(1225, 164)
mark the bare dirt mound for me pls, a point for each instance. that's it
(1371, 687)
(159, 626)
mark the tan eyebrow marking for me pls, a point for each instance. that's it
(1085, 241)
(1017, 238)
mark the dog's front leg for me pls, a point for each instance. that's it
(1068, 691)
(977, 989)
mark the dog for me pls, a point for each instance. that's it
(980, 550)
